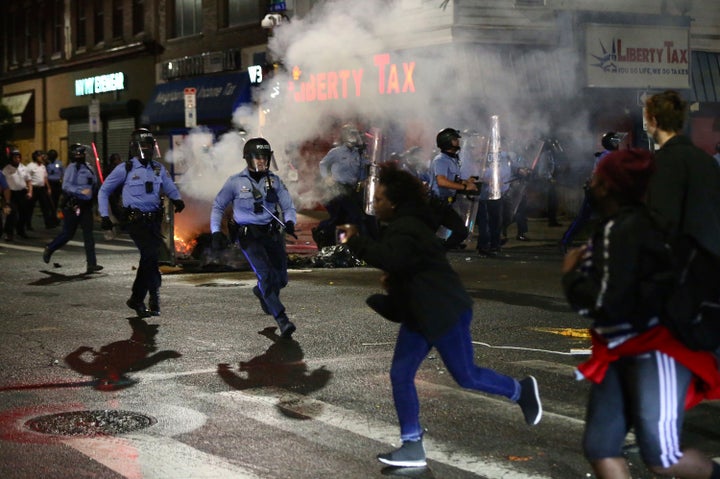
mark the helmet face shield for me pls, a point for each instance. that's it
(77, 152)
(258, 162)
(143, 145)
(350, 137)
(257, 153)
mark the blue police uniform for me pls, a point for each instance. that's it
(259, 234)
(447, 166)
(142, 186)
(55, 172)
(348, 168)
(442, 198)
(79, 185)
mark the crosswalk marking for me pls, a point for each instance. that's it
(264, 409)
(139, 456)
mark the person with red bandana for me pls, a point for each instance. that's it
(642, 377)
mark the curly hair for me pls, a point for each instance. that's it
(401, 187)
(668, 108)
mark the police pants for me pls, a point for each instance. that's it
(148, 239)
(489, 224)
(268, 259)
(71, 221)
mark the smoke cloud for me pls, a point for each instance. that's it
(457, 85)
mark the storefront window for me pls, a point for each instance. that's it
(187, 17)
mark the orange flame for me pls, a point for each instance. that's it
(185, 241)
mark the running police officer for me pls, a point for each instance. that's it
(143, 179)
(445, 183)
(80, 184)
(255, 194)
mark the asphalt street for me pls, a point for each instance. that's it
(207, 389)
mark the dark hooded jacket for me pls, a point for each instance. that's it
(424, 292)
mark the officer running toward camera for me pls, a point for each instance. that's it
(80, 185)
(143, 180)
(255, 194)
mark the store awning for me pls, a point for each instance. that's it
(22, 107)
(705, 77)
(216, 99)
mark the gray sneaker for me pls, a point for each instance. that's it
(411, 454)
(529, 401)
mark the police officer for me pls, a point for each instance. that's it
(143, 179)
(21, 191)
(344, 170)
(55, 172)
(445, 183)
(80, 184)
(255, 194)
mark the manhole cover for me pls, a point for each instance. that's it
(90, 423)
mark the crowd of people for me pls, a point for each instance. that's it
(641, 375)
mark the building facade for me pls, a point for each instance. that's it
(93, 70)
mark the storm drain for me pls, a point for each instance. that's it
(90, 423)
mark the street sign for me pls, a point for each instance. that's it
(94, 125)
(190, 109)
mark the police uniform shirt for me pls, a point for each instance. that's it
(241, 190)
(135, 193)
(55, 171)
(17, 177)
(345, 165)
(447, 166)
(78, 178)
(3, 182)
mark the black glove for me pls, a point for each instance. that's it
(179, 205)
(290, 229)
(219, 240)
(106, 223)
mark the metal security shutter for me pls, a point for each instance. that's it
(118, 136)
(78, 132)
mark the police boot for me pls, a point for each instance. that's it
(287, 328)
(139, 307)
(154, 304)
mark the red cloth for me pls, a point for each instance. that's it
(703, 364)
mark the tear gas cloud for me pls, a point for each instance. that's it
(457, 85)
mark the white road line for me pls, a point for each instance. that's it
(139, 456)
(264, 409)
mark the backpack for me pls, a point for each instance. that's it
(692, 307)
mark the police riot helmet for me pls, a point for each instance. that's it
(445, 137)
(142, 145)
(350, 136)
(257, 149)
(77, 152)
(611, 140)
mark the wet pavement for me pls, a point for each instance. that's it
(209, 390)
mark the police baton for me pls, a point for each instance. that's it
(97, 163)
(282, 225)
